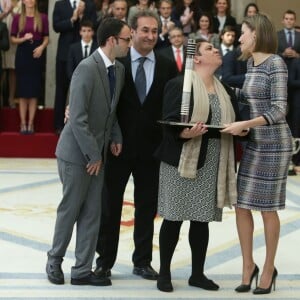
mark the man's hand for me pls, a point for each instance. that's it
(115, 149)
(67, 114)
(94, 168)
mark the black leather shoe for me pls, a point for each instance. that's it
(146, 272)
(102, 272)
(164, 284)
(91, 279)
(55, 274)
(204, 283)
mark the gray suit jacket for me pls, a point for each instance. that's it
(87, 133)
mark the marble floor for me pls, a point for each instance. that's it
(29, 194)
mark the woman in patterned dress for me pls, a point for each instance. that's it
(197, 172)
(263, 169)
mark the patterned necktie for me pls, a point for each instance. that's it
(140, 80)
(112, 80)
(290, 39)
(178, 60)
(74, 5)
(86, 51)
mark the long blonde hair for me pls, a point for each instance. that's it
(37, 23)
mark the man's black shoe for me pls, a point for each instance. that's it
(102, 272)
(91, 279)
(146, 272)
(55, 274)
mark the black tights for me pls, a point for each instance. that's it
(168, 238)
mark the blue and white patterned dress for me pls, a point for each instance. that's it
(264, 166)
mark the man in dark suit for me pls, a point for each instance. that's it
(81, 153)
(289, 49)
(80, 50)
(176, 51)
(67, 15)
(138, 112)
(289, 38)
(167, 23)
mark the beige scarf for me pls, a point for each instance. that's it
(226, 183)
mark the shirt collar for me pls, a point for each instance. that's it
(287, 30)
(72, 2)
(136, 55)
(225, 47)
(106, 60)
(84, 43)
(180, 48)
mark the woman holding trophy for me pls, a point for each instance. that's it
(197, 172)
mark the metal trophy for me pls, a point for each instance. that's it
(187, 81)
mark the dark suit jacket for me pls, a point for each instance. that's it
(233, 69)
(140, 130)
(69, 33)
(169, 54)
(170, 148)
(282, 44)
(4, 41)
(75, 56)
(230, 20)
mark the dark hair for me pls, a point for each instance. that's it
(143, 13)
(290, 12)
(107, 28)
(228, 28)
(86, 23)
(167, 1)
(228, 10)
(210, 19)
(199, 42)
(252, 4)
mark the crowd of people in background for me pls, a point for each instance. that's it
(159, 35)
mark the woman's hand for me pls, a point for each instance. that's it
(236, 128)
(38, 51)
(28, 36)
(197, 130)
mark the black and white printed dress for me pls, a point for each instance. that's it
(193, 199)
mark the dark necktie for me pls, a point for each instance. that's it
(290, 39)
(112, 80)
(140, 80)
(74, 5)
(86, 51)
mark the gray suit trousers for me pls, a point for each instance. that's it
(81, 204)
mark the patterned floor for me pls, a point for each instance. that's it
(29, 193)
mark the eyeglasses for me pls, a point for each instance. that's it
(127, 40)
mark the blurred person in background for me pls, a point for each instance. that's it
(67, 15)
(9, 9)
(30, 32)
(205, 31)
(222, 16)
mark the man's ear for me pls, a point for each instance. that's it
(197, 59)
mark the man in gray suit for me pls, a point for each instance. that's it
(81, 152)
